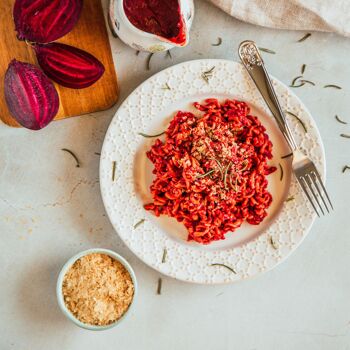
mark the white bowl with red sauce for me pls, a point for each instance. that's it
(130, 21)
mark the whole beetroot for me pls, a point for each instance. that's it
(30, 96)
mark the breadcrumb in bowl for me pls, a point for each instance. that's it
(96, 289)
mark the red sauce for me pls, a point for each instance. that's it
(159, 17)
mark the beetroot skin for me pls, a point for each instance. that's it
(30, 96)
(68, 65)
(43, 21)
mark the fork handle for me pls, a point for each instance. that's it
(253, 62)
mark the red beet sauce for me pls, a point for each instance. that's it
(159, 17)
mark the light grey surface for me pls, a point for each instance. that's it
(50, 210)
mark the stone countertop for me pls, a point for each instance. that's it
(49, 210)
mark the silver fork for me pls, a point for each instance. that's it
(304, 169)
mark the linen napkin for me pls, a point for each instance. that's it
(320, 15)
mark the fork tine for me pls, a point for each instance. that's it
(302, 184)
(308, 180)
(314, 180)
(323, 188)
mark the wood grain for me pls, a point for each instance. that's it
(89, 34)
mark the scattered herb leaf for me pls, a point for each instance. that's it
(333, 86)
(339, 120)
(303, 67)
(150, 136)
(298, 119)
(148, 61)
(159, 288)
(295, 80)
(206, 174)
(287, 155)
(73, 155)
(223, 265)
(266, 50)
(307, 35)
(139, 223)
(168, 54)
(165, 253)
(281, 169)
(345, 168)
(345, 135)
(218, 43)
(296, 86)
(208, 74)
(166, 87)
(307, 82)
(291, 198)
(114, 164)
(98, 153)
(273, 243)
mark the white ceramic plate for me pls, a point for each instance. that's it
(248, 250)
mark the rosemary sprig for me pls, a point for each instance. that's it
(295, 80)
(339, 120)
(345, 168)
(206, 174)
(298, 119)
(165, 254)
(220, 167)
(307, 35)
(159, 288)
(166, 87)
(139, 223)
(225, 174)
(223, 265)
(282, 173)
(267, 50)
(208, 74)
(307, 82)
(150, 136)
(114, 164)
(303, 67)
(218, 43)
(73, 155)
(345, 135)
(148, 61)
(287, 155)
(291, 198)
(333, 86)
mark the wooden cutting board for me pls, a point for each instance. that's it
(89, 34)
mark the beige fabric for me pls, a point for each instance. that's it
(321, 15)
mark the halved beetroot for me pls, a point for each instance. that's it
(30, 96)
(43, 21)
(68, 65)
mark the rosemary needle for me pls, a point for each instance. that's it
(150, 136)
(148, 62)
(281, 168)
(165, 254)
(339, 120)
(114, 164)
(267, 50)
(295, 80)
(291, 198)
(307, 82)
(303, 67)
(307, 35)
(345, 168)
(218, 43)
(287, 155)
(273, 243)
(223, 265)
(298, 119)
(139, 223)
(73, 155)
(333, 86)
(159, 288)
(345, 135)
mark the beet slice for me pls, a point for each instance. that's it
(43, 21)
(30, 96)
(68, 65)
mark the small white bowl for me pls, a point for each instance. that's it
(68, 265)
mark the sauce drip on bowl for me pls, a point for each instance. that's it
(159, 17)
